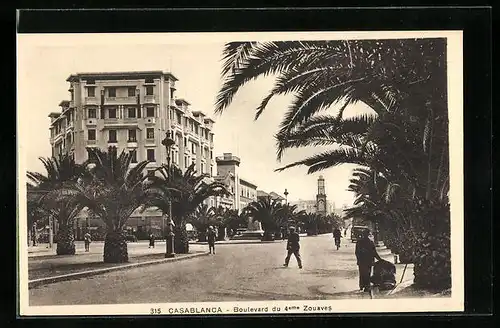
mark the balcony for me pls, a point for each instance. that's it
(150, 142)
(132, 143)
(150, 99)
(58, 137)
(91, 142)
(70, 127)
(120, 100)
(91, 101)
(120, 122)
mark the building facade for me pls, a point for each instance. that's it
(133, 111)
(243, 192)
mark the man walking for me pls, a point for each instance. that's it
(211, 239)
(151, 240)
(337, 234)
(365, 255)
(87, 239)
(293, 247)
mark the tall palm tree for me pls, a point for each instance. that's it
(186, 191)
(111, 191)
(60, 170)
(402, 81)
(268, 212)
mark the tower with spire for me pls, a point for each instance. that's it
(321, 197)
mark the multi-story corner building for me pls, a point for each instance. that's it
(243, 192)
(132, 111)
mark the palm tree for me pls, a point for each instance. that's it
(402, 81)
(201, 219)
(60, 170)
(268, 212)
(186, 191)
(111, 191)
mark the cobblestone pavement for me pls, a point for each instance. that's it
(250, 272)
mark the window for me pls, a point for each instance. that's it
(131, 112)
(150, 133)
(103, 113)
(150, 80)
(149, 90)
(72, 95)
(112, 92)
(133, 156)
(179, 118)
(172, 156)
(132, 136)
(185, 161)
(151, 155)
(131, 91)
(92, 113)
(196, 129)
(185, 142)
(172, 92)
(112, 136)
(112, 113)
(211, 155)
(91, 92)
(193, 148)
(91, 134)
(150, 112)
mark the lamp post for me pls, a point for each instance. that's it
(286, 196)
(168, 142)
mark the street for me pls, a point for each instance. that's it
(244, 272)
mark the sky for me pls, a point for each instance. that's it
(45, 61)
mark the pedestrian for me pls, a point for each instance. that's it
(337, 234)
(87, 240)
(151, 240)
(365, 255)
(293, 247)
(211, 236)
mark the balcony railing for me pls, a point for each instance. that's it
(70, 126)
(120, 100)
(91, 101)
(150, 99)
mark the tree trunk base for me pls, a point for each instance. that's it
(66, 242)
(115, 248)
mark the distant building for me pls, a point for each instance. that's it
(243, 191)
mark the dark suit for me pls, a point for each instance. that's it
(365, 256)
(293, 247)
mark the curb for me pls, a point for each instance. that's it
(247, 242)
(84, 274)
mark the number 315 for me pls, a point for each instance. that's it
(155, 311)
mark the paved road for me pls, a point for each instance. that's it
(236, 273)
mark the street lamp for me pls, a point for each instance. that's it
(168, 142)
(286, 196)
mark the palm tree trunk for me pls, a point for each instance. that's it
(181, 240)
(115, 247)
(65, 241)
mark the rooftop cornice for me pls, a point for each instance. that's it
(134, 74)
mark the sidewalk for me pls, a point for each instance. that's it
(49, 265)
